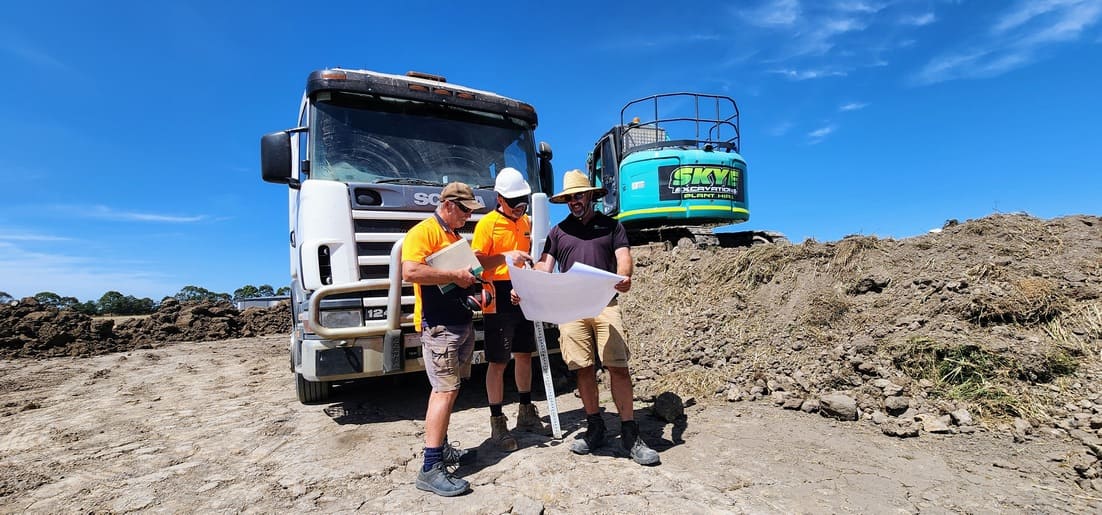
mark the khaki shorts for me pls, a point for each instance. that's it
(447, 350)
(605, 333)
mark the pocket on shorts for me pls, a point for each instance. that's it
(443, 358)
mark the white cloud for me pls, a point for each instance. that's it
(1014, 40)
(780, 129)
(852, 106)
(859, 7)
(107, 213)
(775, 13)
(819, 134)
(24, 273)
(32, 55)
(807, 74)
(918, 20)
(9, 236)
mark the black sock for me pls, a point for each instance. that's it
(525, 397)
(433, 455)
(495, 410)
(629, 431)
(593, 420)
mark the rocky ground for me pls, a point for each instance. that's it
(956, 371)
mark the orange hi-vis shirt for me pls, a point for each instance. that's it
(496, 233)
(421, 241)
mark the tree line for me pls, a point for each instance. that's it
(115, 303)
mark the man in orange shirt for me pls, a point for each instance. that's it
(444, 321)
(505, 234)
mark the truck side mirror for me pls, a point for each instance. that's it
(275, 157)
(547, 174)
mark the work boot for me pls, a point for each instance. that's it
(528, 420)
(593, 438)
(441, 482)
(499, 434)
(636, 448)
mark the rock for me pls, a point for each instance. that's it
(734, 395)
(810, 406)
(896, 406)
(839, 406)
(934, 424)
(1095, 422)
(668, 406)
(888, 388)
(961, 417)
(527, 506)
(901, 428)
(793, 403)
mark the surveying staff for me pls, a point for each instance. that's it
(447, 335)
(505, 235)
(586, 236)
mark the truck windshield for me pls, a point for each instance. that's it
(370, 139)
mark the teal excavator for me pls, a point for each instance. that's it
(673, 170)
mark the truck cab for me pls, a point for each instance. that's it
(366, 162)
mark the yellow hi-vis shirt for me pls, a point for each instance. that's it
(421, 241)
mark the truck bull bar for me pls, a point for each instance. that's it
(393, 285)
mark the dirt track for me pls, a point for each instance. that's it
(201, 427)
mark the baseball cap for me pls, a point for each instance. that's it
(463, 194)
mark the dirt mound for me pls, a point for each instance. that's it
(30, 329)
(994, 323)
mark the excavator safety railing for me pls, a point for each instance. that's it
(707, 128)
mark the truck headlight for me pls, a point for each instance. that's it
(342, 318)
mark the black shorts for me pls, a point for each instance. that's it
(507, 333)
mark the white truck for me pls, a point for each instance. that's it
(366, 161)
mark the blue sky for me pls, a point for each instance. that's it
(131, 129)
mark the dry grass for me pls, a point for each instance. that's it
(825, 308)
(850, 249)
(969, 373)
(1023, 301)
(699, 382)
(1078, 329)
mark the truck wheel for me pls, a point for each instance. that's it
(310, 392)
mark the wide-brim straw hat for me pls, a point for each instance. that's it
(576, 182)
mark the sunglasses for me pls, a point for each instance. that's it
(516, 203)
(578, 197)
(461, 207)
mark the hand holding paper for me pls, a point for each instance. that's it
(582, 292)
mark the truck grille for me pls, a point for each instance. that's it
(376, 232)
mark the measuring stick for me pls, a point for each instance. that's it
(540, 227)
(548, 384)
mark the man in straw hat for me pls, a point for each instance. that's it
(592, 238)
(447, 334)
(504, 235)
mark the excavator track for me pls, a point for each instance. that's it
(703, 236)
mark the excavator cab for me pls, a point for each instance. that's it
(672, 167)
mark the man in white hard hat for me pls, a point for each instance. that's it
(506, 234)
(592, 238)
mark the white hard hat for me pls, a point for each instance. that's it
(511, 184)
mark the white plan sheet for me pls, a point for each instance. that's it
(581, 292)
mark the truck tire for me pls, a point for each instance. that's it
(310, 392)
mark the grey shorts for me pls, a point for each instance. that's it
(447, 351)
